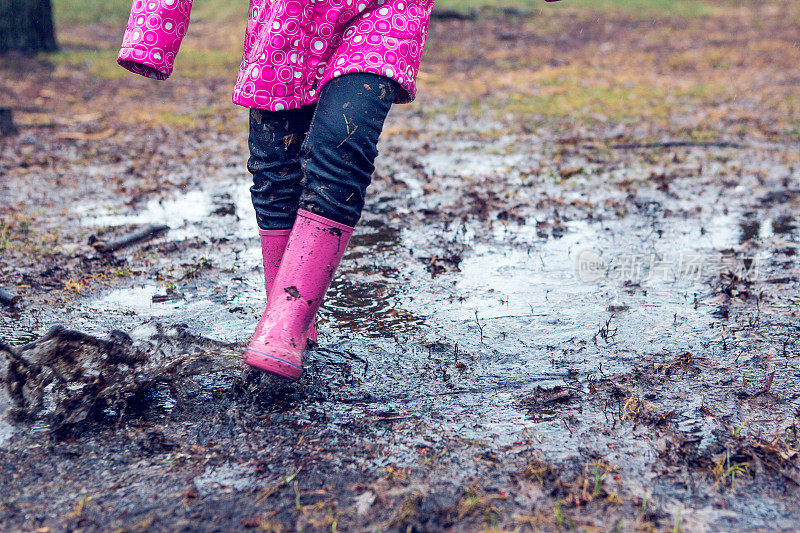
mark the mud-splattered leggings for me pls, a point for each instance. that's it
(320, 157)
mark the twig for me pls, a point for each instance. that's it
(480, 326)
(767, 385)
(142, 234)
(674, 144)
(349, 133)
(80, 136)
(160, 298)
(514, 316)
(9, 298)
(605, 331)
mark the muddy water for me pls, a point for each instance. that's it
(513, 299)
(509, 285)
(449, 313)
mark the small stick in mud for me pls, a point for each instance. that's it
(480, 326)
(768, 384)
(142, 234)
(677, 144)
(9, 298)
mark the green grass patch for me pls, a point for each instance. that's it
(637, 8)
(619, 102)
(642, 8)
(100, 63)
(76, 12)
(190, 63)
(199, 63)
(198, 58)
(115, 12)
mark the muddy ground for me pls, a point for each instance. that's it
(571, 303)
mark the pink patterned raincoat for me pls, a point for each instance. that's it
(292, 47)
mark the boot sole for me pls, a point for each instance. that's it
(272, 364)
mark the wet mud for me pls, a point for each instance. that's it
(530, 330)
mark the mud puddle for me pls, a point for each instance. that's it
(491, 318)
(581, 295)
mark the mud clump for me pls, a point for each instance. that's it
(66, 376)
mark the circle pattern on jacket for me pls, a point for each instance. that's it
(292, 48)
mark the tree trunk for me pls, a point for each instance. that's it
(26, 26)
(7, 126)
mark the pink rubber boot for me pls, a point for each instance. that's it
(273, 244)
(315, 247)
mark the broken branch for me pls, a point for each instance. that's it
(9, 298)
(142, 234)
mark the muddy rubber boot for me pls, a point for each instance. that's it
(273, 244)
(315, 247)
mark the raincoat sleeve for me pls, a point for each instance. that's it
(153, 35)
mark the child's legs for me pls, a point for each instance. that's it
(275, 141)
(339, 151)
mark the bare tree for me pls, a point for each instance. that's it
(26, 26)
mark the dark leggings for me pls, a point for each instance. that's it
(320, 157)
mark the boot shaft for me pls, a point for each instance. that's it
(273, 244)
(315, 248)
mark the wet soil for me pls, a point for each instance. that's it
(543, 322)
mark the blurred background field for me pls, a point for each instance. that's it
(216, 48)
(593, 60)
(116, 11)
